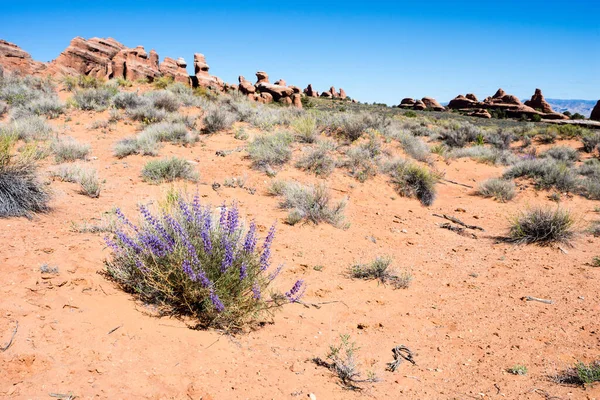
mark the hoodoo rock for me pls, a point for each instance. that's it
(245, 86)
(343, 95)
(15, 59)
(134, 64)
(201, 75)
(596, 112)
(334, 94)
(277, 91)
(281, 82)
(461, 101)
(262, 77)
(93, 57)
(175, 69)
(297, 100)
(539, 103)
(433, 104)
(310, 92)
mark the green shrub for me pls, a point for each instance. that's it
(68, 149)
(218, 119)
(147, 114)
(317, 160)
(414, 147)
(591, 142)
(412, 180)
(306, 129)
(562, 153)
(460, 134)
(310, 203)
(380, 270)
(28, 128)
(500, 189)
(94, 99)
(168, 170)
(163, 100)
(271, 150)
(547, 173)
(542, 226)
(198, 264)
(580, 374)
(90, 185)
(162, 82)
(128, 100)
(48, 106)
(518, 370)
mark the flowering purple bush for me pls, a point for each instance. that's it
(198, 263)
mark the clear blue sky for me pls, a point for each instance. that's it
(376, 50)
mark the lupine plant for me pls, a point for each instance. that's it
(198, 262)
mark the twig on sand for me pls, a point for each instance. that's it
(114, 329)
(400, 353)
(457, 229)
(529, 298)
(459, 222)
(547, 396)
(457, 183)
(68, 396)
(318, 305)
(11, 338)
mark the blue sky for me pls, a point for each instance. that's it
(376, 50)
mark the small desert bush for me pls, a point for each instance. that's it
(68, 149)
(188, 120)
(218, 119)
(414, 147)
(75, 173)
(17, 91)
(460, 134)
(542, 226)
(28, 128)
(562, 153)
(184, 94)
(500, 189)
(590, 188)
(82, 81)
(306, 129)
(128, 100)
(341, 360)
(167, 132)
(90, 184)
(317, 160)
(413, 180)
(163, 100)
(518, 370)
(380, 270)
(271, 150)
(48, 106)
(21, 193)
(122, 82)
(486, 155)
(580, 374)
(147, 114)
(309, 203)
(352, 126)
(162, 82)
(546, 173)
(168, 170)
(500, 139)
(591, 142)
(193, 262)
(94, 99)
(363, 159)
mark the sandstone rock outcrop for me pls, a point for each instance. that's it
(407, 102)
(539, 103)
(281, 82)
(343, 95)
(15, 59)
(175, 69)
(433, 104)
(327, 95)
(596, 112)
(93, 57)
(461, 101)
(262, 77)
(310, 92)
(419, 105)
(202, 77)
(481, 113)
(134, 64)
(245, 86)
(471, 96)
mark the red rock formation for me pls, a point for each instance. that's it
(175, 69)
(296, 89)
(419, 105)
(432, 103)
(134, 64)
(245, 86)
(406, 102)
(87, 57)
(276, 91)
(310, 92)
(327, 95)
(343, 94)
(471, 96)
(15, 59)
(297, 100)
(480, 113)
(539, 103)
(202, 77)
(281, 82)
(262, 77)
(334, 94)
(596, 112)
(461, 101)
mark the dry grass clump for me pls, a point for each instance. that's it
(591, 142)
(87, 178)
(148, 141)
(309, 203)
(218, 119)
(413, 180)
(168, 170)
(486, 155)
(542, 226)
(580, 374)
(380, 270)
(546, 173)
(363, 160)
(28, 128)
(267, 151)
(318, 160)
(306, 129)
(94, 99)
(68, 149)
(564, 154)
(500, 189)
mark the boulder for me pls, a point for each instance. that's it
(200, 66)
(406, 102)
(334, 94)
(87, 57)
(296, 89)
(297, 100)
(539, 103)
(433, 104)
(327, 95)
(276, 91)
(460, 102)
(262, 77)
(480, 113)
(202, 76)
(596, 112)
(281, 82)
(245, 86)
(286, 101)
(471, 96)
(266, 98)
(134, 64)
(419, 105)
(342, 94)
(310, 92)
(175, 69)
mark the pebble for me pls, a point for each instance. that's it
(311, 396)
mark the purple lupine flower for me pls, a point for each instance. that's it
(243, 271)
(186, 211)
(232, 219)
(296, 292)
(214, 298)
(228, 256)
(128, 242)
(275, 273)
(205, 235)
(187, 268)
(250, 242)
(154, 243)
(124, 219)
(169, 241)
(223, 217)
(266, 254)
(256, 291)
(202, 278)
(110, 243)
(197, 209)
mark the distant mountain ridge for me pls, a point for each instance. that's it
(583, 107)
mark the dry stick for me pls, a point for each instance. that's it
(114, 329)
(457, 229)
(459, 222)
(318, 305)
(529, 298)
(11, 338)
(400, 353)
(457, 183)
